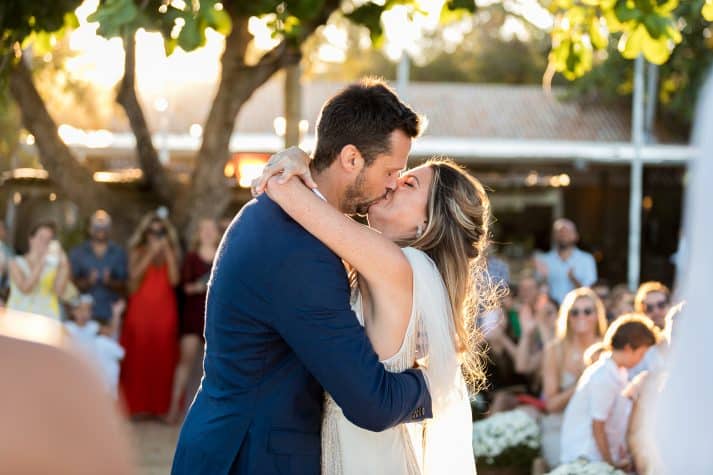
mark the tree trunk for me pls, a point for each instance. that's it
(209, 193)
(293, 105)
(155, 176)
(72, 178)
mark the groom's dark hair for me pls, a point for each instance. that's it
(364, 115)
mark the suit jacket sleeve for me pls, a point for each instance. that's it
(312, 314)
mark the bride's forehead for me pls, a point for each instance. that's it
(420, 171)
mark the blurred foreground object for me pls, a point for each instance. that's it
(55, 416)
(681, 418)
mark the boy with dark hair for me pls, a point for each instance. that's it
(596, 419)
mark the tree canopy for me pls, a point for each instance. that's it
(582, 29)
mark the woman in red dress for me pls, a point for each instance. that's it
(150, 330)
(195, 273)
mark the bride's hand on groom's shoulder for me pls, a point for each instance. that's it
(292, 162)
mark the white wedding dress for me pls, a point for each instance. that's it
(442, 445)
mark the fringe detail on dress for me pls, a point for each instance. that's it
(331, 449)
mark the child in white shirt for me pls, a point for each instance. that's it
(81, 326)
(108, 352)
(596, 419)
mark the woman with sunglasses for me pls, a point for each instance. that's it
(581, 323)
(149, 334)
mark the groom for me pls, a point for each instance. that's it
(279, 329)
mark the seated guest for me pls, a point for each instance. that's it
(621, 301)
(503, 381)
(593, 353)
(581, 323)
(538, 330)
(653, 300)
(596, 419)
(525, 301)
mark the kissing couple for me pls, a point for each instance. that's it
(338, 348)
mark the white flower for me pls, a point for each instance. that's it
(492, 436)
(582, 467)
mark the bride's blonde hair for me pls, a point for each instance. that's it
(456, 237)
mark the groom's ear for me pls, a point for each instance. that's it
(350, 159)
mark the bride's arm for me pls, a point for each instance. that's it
(376, 258)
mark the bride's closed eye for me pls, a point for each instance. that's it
(410, 181)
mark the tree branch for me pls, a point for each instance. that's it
(75, 181)
(156, 177)
(208, 195)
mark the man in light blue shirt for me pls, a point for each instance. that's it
(566, 267)
(99, 267)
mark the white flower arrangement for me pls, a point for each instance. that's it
(507, 438)
(582, 467)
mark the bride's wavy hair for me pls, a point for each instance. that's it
(456, 237)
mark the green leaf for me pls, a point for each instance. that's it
(576, 15)
(707, 11)
(369, 15)
(219, 20)
(655, 25)
(656, 51)
(597, 34)
(625, 13)
(192, 35)
(305, 9)
(631, 42)
(467, 5)
(667, 7)
(456, 10)
(113, 15)
(169, 45)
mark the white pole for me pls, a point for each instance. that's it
(652, 82)
(637, 170)
(402, 74)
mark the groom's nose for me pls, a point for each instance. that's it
(392, 183)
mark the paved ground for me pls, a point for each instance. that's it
(154, 444)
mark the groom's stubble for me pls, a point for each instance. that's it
(355, 200)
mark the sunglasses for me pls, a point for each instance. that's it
(650, 307)
(157, 232)
(585, 312)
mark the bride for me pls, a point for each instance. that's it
(414, 292)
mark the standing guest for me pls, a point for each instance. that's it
(596, 419)
(498, 269)
(195, 274)
(653, 300)
(99, 267)
(150, 330)
(566, 267)
(224, 223)
(6, 255)
(581, 323)
(4, 248)
(39, 277)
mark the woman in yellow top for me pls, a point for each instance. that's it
(38, 278)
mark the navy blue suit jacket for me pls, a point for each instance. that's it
(279, 331)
